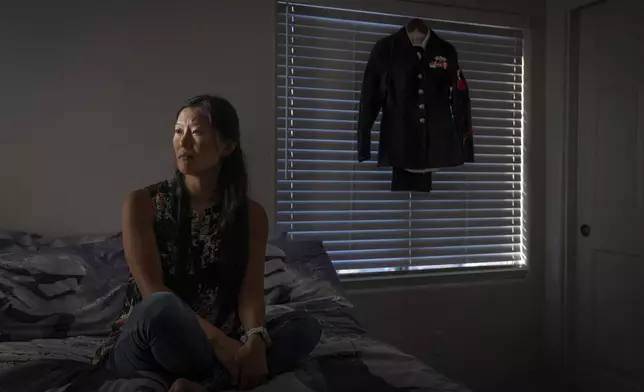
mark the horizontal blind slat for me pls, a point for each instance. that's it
(467, 60)
(451, 262)
(383, 23)
(365, 35)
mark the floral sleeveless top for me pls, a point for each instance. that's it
(194, 280)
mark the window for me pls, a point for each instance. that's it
(473, 219)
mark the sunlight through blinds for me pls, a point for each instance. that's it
(473, 218)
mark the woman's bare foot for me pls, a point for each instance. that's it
(183, 385)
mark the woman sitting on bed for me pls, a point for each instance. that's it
(195, 245)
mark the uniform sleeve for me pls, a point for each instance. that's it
(372, 98)
(462, 108)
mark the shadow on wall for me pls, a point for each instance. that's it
(482, 334)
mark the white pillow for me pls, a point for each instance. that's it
(273, 252)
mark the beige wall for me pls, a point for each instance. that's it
(88, 95)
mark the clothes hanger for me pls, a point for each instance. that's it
(417, 25)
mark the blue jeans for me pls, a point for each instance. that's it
(162, 335)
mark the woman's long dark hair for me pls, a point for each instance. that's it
(232, 205)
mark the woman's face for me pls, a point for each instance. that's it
(197, 146)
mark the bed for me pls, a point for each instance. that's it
(59, 295)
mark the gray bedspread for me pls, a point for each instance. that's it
(54, 356)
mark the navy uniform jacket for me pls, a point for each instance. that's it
(426, 116)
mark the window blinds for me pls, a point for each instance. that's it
(473, 218)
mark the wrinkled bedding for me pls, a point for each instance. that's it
(59, 288)
(346, 359)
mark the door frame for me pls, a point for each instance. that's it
(562, 27)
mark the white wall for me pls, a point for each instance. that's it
(89, 91)
(88, 94)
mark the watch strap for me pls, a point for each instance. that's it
(261, 331)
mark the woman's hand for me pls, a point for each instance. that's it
(226, 349)
(183, 385)
(252, 363)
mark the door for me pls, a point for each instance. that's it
(608, 301)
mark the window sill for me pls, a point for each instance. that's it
(402, 281)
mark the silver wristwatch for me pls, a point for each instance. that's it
(261, 331)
